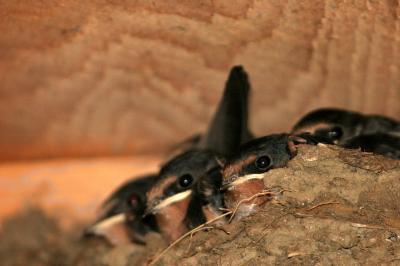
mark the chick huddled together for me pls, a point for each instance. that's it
(224, 168)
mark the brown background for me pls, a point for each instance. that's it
(128, 77)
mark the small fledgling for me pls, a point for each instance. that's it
(124, 216)
(336, 126)
(174, 199)
(243, 174)
(121, 220)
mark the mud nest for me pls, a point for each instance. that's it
(337, 207)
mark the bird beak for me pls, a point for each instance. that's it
(239, 180)
(157, 205)
(106, 223)
(111, 228)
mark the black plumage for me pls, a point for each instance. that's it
(179, 178)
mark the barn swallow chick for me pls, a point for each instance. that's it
(336, 126)
(243, 174)
(380, 143)
(121, 220)
(173, 199)
(124, 214)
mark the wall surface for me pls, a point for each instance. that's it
(127, 77)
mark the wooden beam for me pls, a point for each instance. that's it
(83, 78)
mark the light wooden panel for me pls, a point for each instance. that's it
(112, 77)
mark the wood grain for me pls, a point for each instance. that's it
(100, 77)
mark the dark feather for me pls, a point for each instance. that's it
(229, 126)
(384, 144)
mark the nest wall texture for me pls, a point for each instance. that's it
(339, 207)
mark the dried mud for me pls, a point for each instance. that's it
(339, 207)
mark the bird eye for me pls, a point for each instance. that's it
(263, 162)
(185, 180)
(335, 133)
(133, 201)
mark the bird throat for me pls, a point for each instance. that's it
(243, 190)
(170, 218)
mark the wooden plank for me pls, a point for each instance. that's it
(83, 78)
